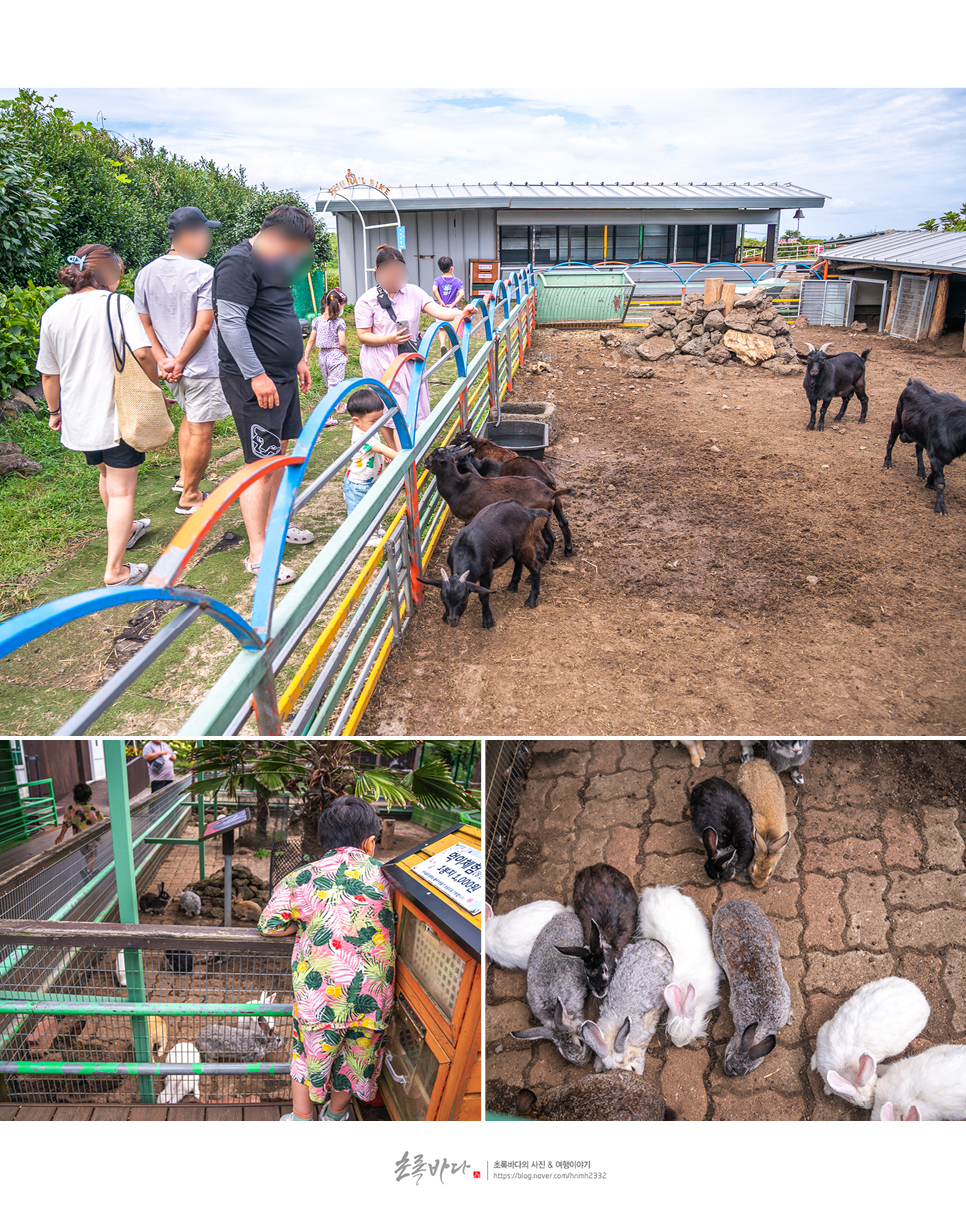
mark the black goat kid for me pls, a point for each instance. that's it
(828, 377)
(499, 532)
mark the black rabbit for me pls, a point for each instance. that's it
(154, 903)
(606, 904)
(721, 818)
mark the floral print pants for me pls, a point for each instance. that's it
(343, 1059)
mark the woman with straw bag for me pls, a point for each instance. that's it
(101, 409)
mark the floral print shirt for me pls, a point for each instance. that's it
(80, 816)
(343, 963)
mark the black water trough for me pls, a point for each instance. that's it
(527, 437)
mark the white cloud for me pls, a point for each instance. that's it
(886, 157)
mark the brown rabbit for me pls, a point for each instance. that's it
(764, 791)
(250, 911)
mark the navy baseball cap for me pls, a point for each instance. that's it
(192, 216)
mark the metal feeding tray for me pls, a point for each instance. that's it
(528, 437)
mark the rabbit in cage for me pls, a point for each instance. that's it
(190, 902)
(177, 1087)
(252, 1022)
(226, 1043)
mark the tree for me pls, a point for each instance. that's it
(315, 772)
(948, 222)
(250, 213)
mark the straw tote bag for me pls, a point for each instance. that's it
(142, 417)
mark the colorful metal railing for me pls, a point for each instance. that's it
(335, 680)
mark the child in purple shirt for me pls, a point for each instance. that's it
(447, 288)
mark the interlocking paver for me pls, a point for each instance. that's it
(872, 883)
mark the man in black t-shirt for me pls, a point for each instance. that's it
(261, 361)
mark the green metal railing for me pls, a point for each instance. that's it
(22, 816)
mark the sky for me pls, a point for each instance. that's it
(888, 158)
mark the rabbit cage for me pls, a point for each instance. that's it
(507, 766)
(432, 1066)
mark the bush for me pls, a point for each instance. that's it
(20, 313)
(28, 210)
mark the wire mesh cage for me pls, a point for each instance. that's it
(65, 1001)
(507, 766)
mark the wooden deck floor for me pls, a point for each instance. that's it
(142, 1113)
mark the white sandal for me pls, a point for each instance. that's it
(285, 574)
(299, 537)
(140, 529)
(136, 573)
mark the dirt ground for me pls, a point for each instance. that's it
(733, 573)
(872, 884)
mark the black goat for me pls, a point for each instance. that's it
(514, 467)
(467, 494)
(932, 421)
(499, 532)
(828, 377)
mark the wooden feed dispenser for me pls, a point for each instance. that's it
(431, 1071)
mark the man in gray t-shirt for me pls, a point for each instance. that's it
(173, 297)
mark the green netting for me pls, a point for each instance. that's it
(304, 306)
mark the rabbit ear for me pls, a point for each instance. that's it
(525, 1101)
(840, 1085)
(620, 1041)
(592, 1036)
(779, 844)
(538, 1034)
(569, 951)
(763, 1048)
(674, 999)
(690, 1002)
(912, 1115)
(748, 1037)
(488, 913)
(594, 936)
(866, 1070)
(710, 840)
(887, 1114)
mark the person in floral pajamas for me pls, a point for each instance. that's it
(339, 908)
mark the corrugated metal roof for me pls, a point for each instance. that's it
(910, 248)
(592, 194)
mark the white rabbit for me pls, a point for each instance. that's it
(177, 1087)
(253, 1022)
(931, 1087)
(510, 936)
(189, 901)
(120, 970)
(878, 1022)
(674, 920)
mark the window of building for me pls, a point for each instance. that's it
(624, 243)
(656, 242)
(546, 245)
(514, 245)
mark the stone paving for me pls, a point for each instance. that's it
(872, 883)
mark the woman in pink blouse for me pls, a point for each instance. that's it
(380, 336)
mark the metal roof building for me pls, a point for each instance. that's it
(513, 223)
(913, 248)
(927, 273)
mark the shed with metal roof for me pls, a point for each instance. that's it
(514, 223)
(927, 275)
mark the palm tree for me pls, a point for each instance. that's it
(313, 773)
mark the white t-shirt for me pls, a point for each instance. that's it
(76, 343)
(172, 291)
(366, 466)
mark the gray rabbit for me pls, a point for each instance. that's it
(615, 1097)
(629, 1016)
(226, 1043)
(557, 989)
(746, 947)
(785, 754)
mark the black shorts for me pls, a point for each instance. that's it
(157, 784)
(262, 431)
(121, 457)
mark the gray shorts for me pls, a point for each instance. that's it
(201, 398)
